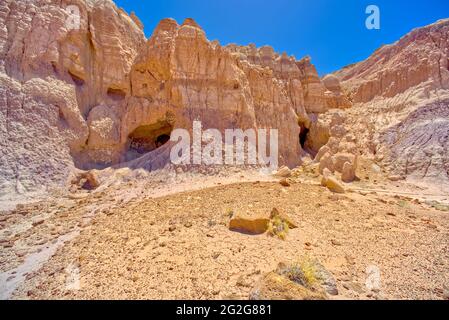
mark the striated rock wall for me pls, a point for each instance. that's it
(51, 78)
(102, 94)
(401, 98)
(420, 56)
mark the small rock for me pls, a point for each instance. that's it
(323, 150)
(284, 183)
(243, 282)
(283, 172)
(87, 180)
(336, 242)
(326, 163)
(36, 223)
(391, 214)
(395, 178)
(376, 168)
(331, 183)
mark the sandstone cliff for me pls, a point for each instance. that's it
(102, 94)
(52, 81)
(401, 97)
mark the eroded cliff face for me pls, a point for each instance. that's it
(401, 101)
(419, 57)
(52, 81)
(102, 94)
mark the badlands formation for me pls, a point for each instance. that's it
(91, 206)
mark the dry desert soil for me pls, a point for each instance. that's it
(128, 242)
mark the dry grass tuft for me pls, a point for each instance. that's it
(278, 227)
(302, 272)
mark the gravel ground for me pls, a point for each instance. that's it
(179, 246)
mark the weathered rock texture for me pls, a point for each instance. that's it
(102, 94)
(401, 96)
(57, 85)
(418, 57)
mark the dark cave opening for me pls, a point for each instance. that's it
(116, 94)
(303, 135)
(148, 138)
(162, 139)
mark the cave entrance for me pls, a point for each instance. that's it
(162, 139)
(303, 135)
(148, 138)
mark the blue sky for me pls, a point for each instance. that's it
(332, 32)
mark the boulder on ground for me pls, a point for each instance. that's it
(348, 172)
(341, 158)
(326, 162)
(330, 182)
(249, 225)
(323, 150)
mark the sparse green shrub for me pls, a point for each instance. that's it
(277, 227)
(302, 272)
(308, 268)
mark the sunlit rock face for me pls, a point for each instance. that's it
(401, 97)
(100, 93)
(62, 88)
(419, 57)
